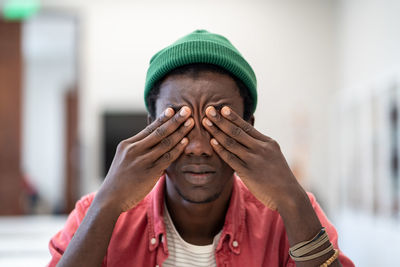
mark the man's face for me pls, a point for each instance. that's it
(199, 175)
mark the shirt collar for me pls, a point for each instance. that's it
(155, 211)
(233, 228)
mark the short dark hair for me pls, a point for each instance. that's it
(194, 70)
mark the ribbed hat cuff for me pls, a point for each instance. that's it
(201, 51)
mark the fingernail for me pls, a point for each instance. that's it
(226, 111)
(184, 141)
(188, 122)
(184, 111)
(215, 142)
(169, 112)
(208, 122)
(212, 112)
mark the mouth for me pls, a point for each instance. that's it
(197, 178)
(198, 174)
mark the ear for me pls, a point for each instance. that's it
(149, 119)
(251, 120)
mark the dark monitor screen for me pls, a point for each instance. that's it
(117, 127)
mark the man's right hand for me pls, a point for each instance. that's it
(137, 165)
(140, 160)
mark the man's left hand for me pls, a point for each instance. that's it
(256, 158)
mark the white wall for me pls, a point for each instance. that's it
(368, 67)
(368, 40)
(289, 44)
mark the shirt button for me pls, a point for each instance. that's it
(153, 241)
(157, 265)
(235, 244)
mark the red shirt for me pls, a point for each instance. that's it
(253, 235)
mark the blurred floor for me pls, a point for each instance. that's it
(24, 239)
(368, 241)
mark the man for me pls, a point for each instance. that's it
(199, 186)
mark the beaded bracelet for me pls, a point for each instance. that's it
(331, 259)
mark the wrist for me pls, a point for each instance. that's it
(111, 205)
(291, 198)
(298, 215)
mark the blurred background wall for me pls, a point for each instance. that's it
(289, 44)
(328, 79)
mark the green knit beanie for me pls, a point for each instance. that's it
(201, 46)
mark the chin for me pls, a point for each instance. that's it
(199, 188)
(199, 198)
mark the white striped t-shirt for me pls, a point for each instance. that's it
(183, 254)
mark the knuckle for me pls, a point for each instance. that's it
(175, 119)
(236, 131)
(160, 131)
(122, 145)
(166, 142)
(141, 160)
(252, 158)
(150, 166)
(265, 146)
(129, 151)
(229, 142)
(275, 144)
(212, 130)
(132, 147)
(246, 128)
(167, 156)
(150, 129)
(233, 117)
(161, 119)
(231, 156)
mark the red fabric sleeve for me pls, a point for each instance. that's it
(331, 231)
(59, 242)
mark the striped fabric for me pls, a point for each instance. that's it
(183, 254)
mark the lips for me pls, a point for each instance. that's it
(197, 168)
(198, 174)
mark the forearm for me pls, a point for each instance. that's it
(302, 223)
(90, 242)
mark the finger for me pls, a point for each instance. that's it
(170, 156)
(166, 115)
(231, 115)
(227, 142)
(233, 161)
(172, 140)
(230, 128)
(168, 127)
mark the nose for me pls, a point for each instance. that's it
(199, 141)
